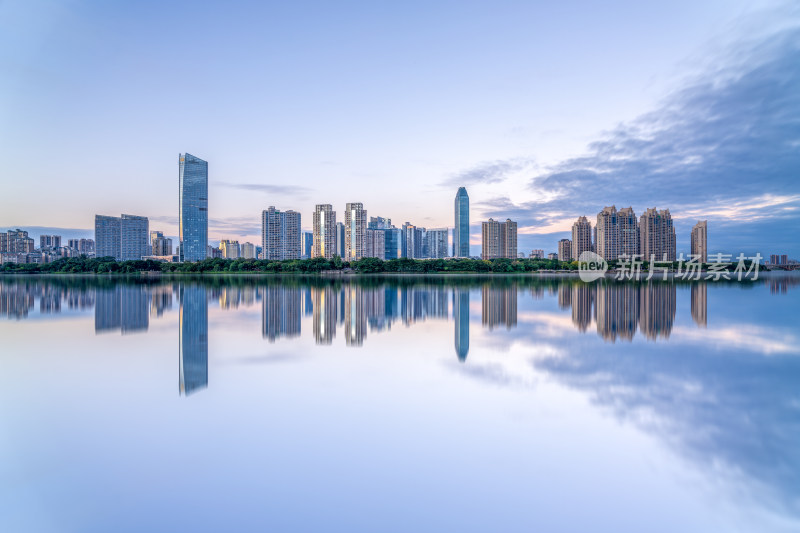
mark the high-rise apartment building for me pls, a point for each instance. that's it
(778, 259)
(581, 237)
(355, 228)
(247, 250)
(537, 253)
(106, 235)
(229, 249)
(82, 246)
(308, 244)
(375, 243)
(16, 242)
(699, 246)
(325, 233)
(412, 241)
(339, 239)
(608, 246)
(565, 250)
(498, 239)
(124, 238)
(160, 245)
(657, 235)
(438, 242)
(192, 207)
(280, 234)
(628, 232)
(461, 231)
(49, 242)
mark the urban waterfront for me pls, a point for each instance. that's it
(504, 403)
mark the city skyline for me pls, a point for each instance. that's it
(539, 150)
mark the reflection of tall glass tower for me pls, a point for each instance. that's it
(280, 312)
(499, 306)
(193, 207)
(324, 316)
(193, 341)
(461, 318)
(461, 231)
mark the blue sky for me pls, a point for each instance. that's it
(545, 112)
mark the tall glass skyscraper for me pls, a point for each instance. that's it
(193, 207)
(461, 231)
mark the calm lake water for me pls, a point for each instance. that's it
(399, 404)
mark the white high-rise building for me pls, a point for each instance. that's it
(324, 232)
(355, 231)
(700, 241)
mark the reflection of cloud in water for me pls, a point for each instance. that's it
(736, 411)
(747, 337)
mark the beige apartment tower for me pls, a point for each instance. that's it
(498, 239)
(581, 237)
(700, 241)
(657, 235)
(565, 250)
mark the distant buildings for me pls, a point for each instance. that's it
(461, 231)
(778, 260)
(608, 234)
(247, 250)
(537, 254)
(325, 234)
(49, 242)
(498, 239)
(229, 249)
(411, 241)
(565, 250)
(280, 234)
(700, 241)
(16, 242)
(375, 243)
(355, 231)
(192, 207)
(392, 239)
(160, 245)
(552, 256)
(581, 237)
(124, 238)
(308, 244)
(82, 246)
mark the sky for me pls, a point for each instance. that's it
(544, 111)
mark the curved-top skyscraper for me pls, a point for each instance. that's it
(193, 207)
(461, 231)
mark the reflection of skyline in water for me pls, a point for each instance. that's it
(739, 411)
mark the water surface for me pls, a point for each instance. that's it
(398, 404)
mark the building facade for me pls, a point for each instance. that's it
(325, 231)
(355, 231)
(498, 239)
(339, 239)
(461, 231)
(565, 250)
(581, 237)
(657, 235)
(160, 245)
(375, 243)
(280, 234)
(699, 241)
(247, 250)
(229, 249)
(608, 246)
(438, 242)
(192, 207)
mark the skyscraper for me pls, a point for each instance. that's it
(308, 244)
(325, 230)
(438, 242)
(229, 249)
(375, 243)
(565, 250)
(608, 246)
(581, 237)
(700, 241)
(628, 232)
(355, 227)
(106, 236)
(657, 235)
(411, 241)
(461, 231)
(339, 238)
(280, 234)
(192, 207)
(124, 238)
(498, 239)
(461, 319)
